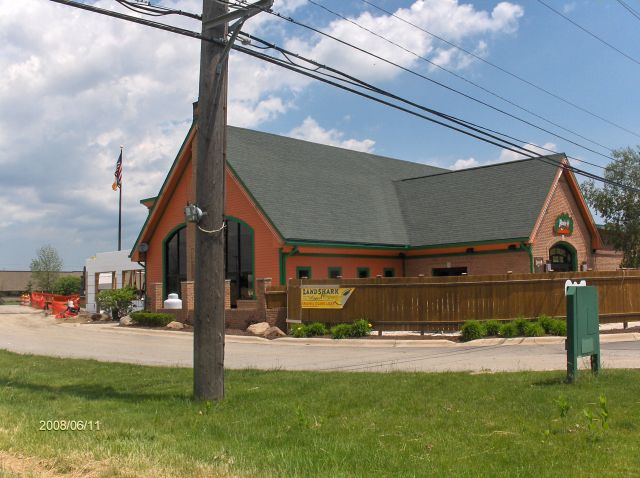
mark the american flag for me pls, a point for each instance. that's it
(118, 174)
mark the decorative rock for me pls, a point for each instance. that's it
(126, 320)
(273, 333)
(258, 329)
(175, 325)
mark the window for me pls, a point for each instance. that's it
(335, 272)
(239, 259)
(363, 272)
(449, 271)
(388, 272)
(561, 258)
(175, 261)
(303, 272)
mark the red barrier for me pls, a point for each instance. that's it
(53, 302)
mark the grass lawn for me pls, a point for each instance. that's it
(304, 424)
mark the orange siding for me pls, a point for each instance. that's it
(266, 240)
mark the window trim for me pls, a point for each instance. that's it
(165, 241)
(362, 269)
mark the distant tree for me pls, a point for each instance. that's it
(45, 268)
(68, 285)
(620, 208)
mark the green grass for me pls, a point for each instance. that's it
(302, 424)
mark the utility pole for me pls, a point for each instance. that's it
(209, 274)
(208, 337)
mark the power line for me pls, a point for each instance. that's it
(629, 9)
(155, 10)
(282, 63)
(357, 82)
(431, 80)
(604, 42)
(382, 37)
(503, 70)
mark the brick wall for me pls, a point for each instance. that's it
(562, 201)
(496, 263)
(607, 260)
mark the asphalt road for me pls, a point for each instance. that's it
(26, 330)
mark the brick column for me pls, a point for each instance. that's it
(227, 294)
(261, 288)
(186, 288)
(156, 302)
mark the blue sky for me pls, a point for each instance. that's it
(76, 85)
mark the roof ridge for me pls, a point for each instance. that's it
(484, 166)
(316, 144)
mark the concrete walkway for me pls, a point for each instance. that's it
(25, 330)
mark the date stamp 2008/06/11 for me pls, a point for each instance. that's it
(69, 425)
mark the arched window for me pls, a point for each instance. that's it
(239, 259)
(562, 257)
(175, 261)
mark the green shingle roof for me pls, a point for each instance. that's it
(315, 192)
(501, 201)
(320, 193)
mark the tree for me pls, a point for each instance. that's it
(116, 301)
(68, 285)
(619, 207)
(45, 268)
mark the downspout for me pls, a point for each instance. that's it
(144, 266)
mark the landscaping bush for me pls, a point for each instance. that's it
(312, 330)
(521, 325)
(299, 331)
(558, 327)
(472, 330)
(315, 329)
(546, 322)
(508, 329)
(68, 285)
(492, 327)
(533, 329)
(360, 328)
(341, 331)
(152, 319)
(116, 301)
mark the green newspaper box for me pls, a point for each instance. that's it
(583, 333)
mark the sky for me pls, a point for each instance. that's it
(75, 86)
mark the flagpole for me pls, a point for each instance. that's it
(120, 213)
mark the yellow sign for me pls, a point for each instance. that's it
(324, 297)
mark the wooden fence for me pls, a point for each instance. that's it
(444, 303)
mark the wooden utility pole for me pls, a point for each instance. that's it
(208, 337)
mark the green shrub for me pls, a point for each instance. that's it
(533, 329)
(315, 329)
(521, 325)
(492, 327)
(472, 330)
(508, 329)
(152, 319)
(546, 322)
(558, 327)
(116, 301)
(341, 331)
(299, 331)
(360, 328)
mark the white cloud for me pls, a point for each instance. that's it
(310, 130)
(465, 163)
(446, 18)
(507, 155)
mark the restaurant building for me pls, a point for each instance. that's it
(297, 209)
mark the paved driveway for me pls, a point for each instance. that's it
(25, 330)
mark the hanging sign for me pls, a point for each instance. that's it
(563, 225)
(324, 297)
